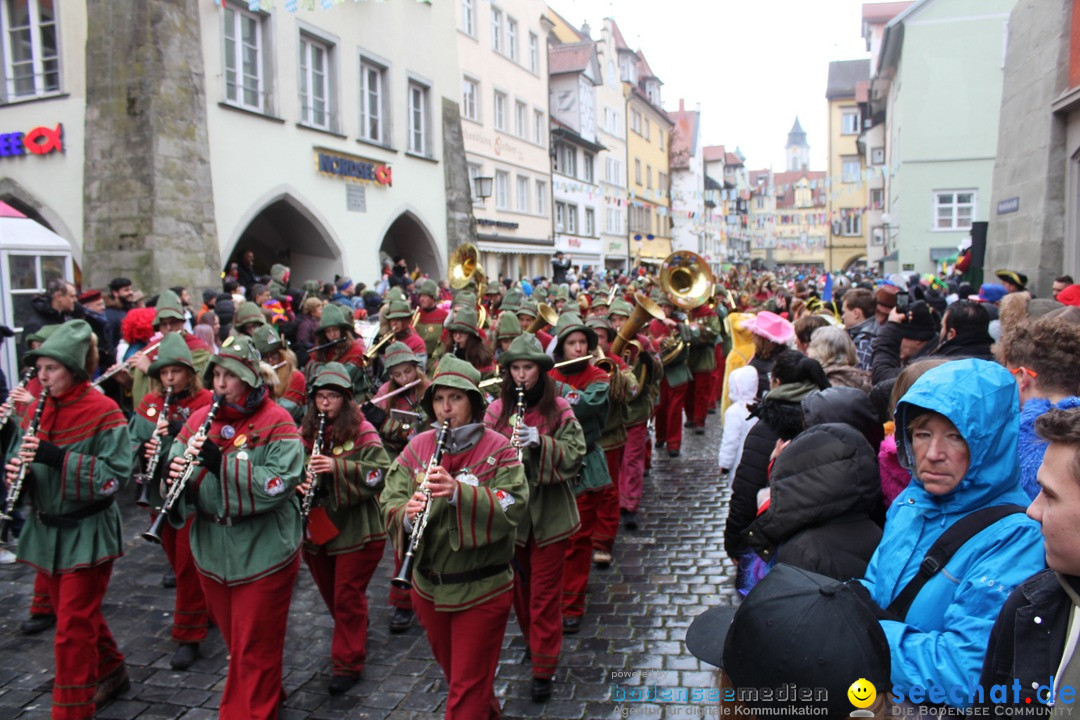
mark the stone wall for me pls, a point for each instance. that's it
(460, 223)
(1031, 155)
(149, 211)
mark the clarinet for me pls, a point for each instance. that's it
(27, 375)
(519, 419)
(15, 489)
(313, 477)
(403, 579)
(146, 477)
(153, 534)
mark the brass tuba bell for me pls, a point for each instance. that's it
(686, 278)
(465, 270)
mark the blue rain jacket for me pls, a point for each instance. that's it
(948, 626)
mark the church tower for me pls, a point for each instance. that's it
(797, 149)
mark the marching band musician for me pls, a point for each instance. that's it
(174, 368)
(291, 386)
(246, 534)
(399, 317)
(723, 343)
(344, 538)
(463, 580)
(336, 338)
(466, 342)
(526, 315)
(168, 318)
(403, 368)
(507, 328)
(248, 318)
(613, 441)
(589, 399)
(704, 325)
(80, 457)
(430, 323)
(553, 446)
(673, 388)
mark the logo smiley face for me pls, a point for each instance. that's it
(862, 693)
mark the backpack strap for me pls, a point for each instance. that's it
(945, 547)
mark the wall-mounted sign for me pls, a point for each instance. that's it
(497, 223)
(353, 169)
(355, 198)
(1008, 205)
(39, 141)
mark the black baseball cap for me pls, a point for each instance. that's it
(797, 627)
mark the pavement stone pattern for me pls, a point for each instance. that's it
(664, 574)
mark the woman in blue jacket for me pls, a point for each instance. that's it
(956, 432)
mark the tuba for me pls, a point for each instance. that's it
(686, 278)
(465, 270)
(643, 310)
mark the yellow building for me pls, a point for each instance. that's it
(788, 222)
(847, 187)
(648, 173)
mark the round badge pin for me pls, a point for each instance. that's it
(242, 455)
(349, 445)
(338, 450)
(228, 432)
(151, 411)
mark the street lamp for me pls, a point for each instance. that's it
(482, 187)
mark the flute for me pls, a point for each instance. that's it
(392, 393)
(124, 366)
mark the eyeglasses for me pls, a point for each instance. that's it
(1023, 370)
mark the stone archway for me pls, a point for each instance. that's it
(285, 230)
(855, 260)
(409, 238)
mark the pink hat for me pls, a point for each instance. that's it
(770, 326)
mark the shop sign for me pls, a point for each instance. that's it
(353, 169)
(39, 141)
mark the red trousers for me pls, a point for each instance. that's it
(538, 602)
(718, 375)
(343, 581)
(579, 554)
(669, 414)
(401, 599)
(190, 618)
(84, 647)
(607, 515)
(697, 397)
(252, 619)
(40, 604)
(632, 474)
(466, 645)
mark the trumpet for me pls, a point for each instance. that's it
(15, 489)
(403, 580)
(312, 477)
(28, 373)
(144, 479)
(374, 349)
(519, 420)
(153, 534)
(121, 367)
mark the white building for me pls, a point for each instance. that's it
(322, 129)
(687, 162)
(575, 72)
(502, 50)
(611, 162)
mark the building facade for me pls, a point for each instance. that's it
(846, 199)
(328, 139)
(502, 51)
(687, 163)
(938, 174)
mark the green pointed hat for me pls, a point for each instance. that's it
(512, 300)
(508, 327)
(239, 356)
(398, 353)
(465, 320)
(331, 376)
(570, 322)
(68, 344)
(620, 307)
(173, 350)
(267, 339)
(430, 288)
(456, 373)
(398, 310)
(602, 323)
(334, 316)
(247, 313)
(168, 307)
(563, 293)
(395, 294)
(540, 294)
(526, 346)
(42, 334)
(528, 308)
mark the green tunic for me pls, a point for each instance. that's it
(476, 533)
(90, 430)
(350, 494)
(703, 343)
(251, 494)
(589, 399)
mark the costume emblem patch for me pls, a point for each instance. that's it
(373, 478)
(573, 397)
(111, 485)
(504, 498)
(275, 486)
(151, 411)
(468, 478)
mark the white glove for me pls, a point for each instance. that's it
(528, 436)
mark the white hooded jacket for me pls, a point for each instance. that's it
(742, 386)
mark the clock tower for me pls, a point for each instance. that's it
(797, 149)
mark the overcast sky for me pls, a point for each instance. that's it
(753, 65)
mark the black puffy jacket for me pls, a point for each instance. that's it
(823, 488)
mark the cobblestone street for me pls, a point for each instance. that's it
(664, 574)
